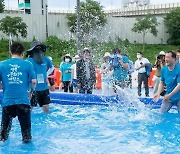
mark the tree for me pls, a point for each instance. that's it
(92, 17)
(13, 26)
(146, 24)
(172, 22)
(2, 6)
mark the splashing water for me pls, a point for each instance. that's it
(99, 129)
(96, 129)
(132, 105)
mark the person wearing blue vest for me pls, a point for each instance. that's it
(65, 68)
(41, 64)
(16, 75)
(170, 76)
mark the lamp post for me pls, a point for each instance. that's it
(78, 27)
(46, 21)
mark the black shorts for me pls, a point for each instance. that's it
(41, 98)
(51, 81)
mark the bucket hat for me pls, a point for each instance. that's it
(35, 44)
(67, 56)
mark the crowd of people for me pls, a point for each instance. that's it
(26, 83)
(116, 71)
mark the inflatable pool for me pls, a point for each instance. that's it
(87, 99)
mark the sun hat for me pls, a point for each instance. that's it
(68, 56)
(107, 54)
(162, 53)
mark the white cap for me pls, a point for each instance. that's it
(76, 57)
(162, 53)
(50, 58)
(107, 54)
(67, 55)
(86, 48)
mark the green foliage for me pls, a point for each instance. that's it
(172, 22)
(4, 46)
(2, 6)
(57, 48)
(146, 24)
(92, 17)
(13, 26)
(72, 21)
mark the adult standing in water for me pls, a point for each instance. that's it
(170, 76)
(85, 69)
(41, 64)
(16, 75)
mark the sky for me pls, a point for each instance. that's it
(70, 4)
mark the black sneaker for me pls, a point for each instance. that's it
(147, 96)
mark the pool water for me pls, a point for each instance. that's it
(97, 129)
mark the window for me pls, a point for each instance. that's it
(27, 1)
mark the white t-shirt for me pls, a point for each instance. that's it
(138, 64)
(87, 68)
(106, 73)
(73, 67)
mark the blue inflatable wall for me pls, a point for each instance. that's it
(87, 99)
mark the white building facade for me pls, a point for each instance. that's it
(33, 6)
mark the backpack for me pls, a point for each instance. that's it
(148, 68)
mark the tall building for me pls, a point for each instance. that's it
(32, 6)
(135, 3)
